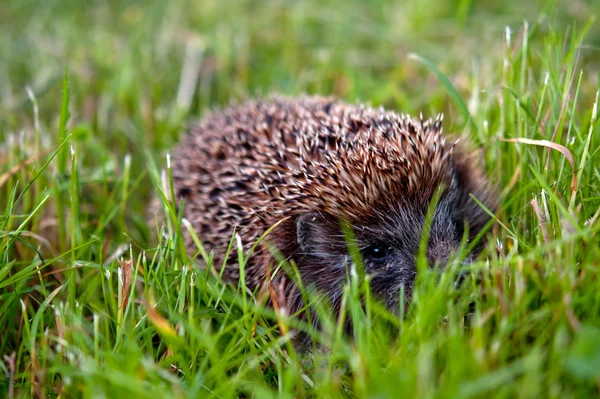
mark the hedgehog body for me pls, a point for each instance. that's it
(308, 163)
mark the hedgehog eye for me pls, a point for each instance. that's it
(377, 251)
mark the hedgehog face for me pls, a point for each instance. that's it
(390, 250)
(389, 243)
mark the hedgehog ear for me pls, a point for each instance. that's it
(312, 232)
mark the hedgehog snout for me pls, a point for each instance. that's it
(439, 251)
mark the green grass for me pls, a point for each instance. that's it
(90, 307)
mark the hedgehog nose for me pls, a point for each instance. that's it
(439, 253)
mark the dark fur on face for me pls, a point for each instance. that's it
(388, 241)
(314, 162)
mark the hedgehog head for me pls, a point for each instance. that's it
(381, 183)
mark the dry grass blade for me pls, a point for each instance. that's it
(194, 50)
(571, 318)
(161, 324)
(541, 218)
(558, 147)
(126, 272)
(513, 181)
(121, 249)
(11, 371)
(15, 169)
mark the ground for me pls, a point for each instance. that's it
(93, 95)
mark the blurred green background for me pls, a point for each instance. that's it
(125, 57)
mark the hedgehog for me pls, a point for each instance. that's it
(307, 166)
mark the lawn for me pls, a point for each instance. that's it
(94, 93)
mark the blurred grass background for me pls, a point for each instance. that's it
(126, 57)
(522, 68)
